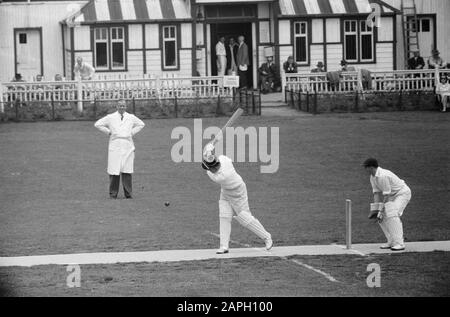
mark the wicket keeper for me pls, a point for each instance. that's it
(391, 196)
(233, 199)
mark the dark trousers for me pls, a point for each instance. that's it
(114, 182)
(242, 79)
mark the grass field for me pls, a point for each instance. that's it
(54, 199)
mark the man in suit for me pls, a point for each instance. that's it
(232, 50)
(268, 76)
(416, 62)
(243, 62)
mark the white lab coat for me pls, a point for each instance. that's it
(121, 146)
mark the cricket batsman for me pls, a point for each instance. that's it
(233, 199)
(391, 196)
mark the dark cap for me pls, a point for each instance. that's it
(370, 162)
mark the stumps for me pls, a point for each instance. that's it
(348, 224)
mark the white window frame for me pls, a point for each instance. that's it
(300, 35)
(367, 31)
(117, 40)
(107, 47)
(351, 32)
(169, 39)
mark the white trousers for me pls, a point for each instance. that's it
(221, 65)
(391, 223)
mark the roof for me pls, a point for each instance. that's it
(331, 7)
(117, 11)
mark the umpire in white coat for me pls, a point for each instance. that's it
(121, 127)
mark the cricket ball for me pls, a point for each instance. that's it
(166, 204)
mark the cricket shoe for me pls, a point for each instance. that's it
(269, 244)
(222, 251)
(398, 247)
(385, 246)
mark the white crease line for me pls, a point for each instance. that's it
(326, 275)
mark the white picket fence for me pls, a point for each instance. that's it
(388, 81)
(112, 89)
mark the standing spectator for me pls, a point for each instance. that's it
(268, 76)
(83, 69)
(221, 57)
(320, 68)
(243, 62)
(232, 50)
(121, 127)
(416, 62)
(435, 61)
(289, 66)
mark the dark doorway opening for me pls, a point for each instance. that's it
(232, 30)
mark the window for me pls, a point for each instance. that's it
(101, 48)
(366, 40)
(23, 38)
(170, 47)
(118, 48)
(350, 41)
(301, 42)
(358, 41)
(109, 48)
(426, 25)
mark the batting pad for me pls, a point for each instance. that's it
(248, 221)
(386, 231)
(225, 209)
(225, 232)
(395, 228)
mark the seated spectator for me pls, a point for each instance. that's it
(83, 69)
(443, 92)
(320, 68)
(268, 76)
(435, 61)
(346, 68)
(289, 66)
(416, 62)
(17, 78)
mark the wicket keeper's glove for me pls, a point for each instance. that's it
(375, 209)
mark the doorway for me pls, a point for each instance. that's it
(232, 30)
(28, 52)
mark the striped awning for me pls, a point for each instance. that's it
(330, 7)
(131, 10)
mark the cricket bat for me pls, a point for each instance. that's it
(229, 123)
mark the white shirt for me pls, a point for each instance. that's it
(86, 71)
(226, 176)
(220, 49)
(386, 182)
